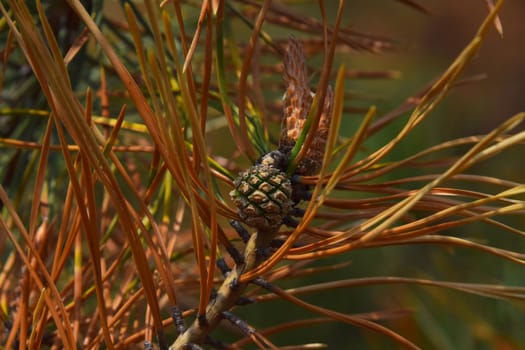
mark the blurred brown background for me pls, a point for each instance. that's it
(432, 42)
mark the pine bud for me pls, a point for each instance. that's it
(297, 98)
(296, 106)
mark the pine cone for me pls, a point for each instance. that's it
(262, 195)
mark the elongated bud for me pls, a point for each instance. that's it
(313, 159)
(296, 106)
(297, 98)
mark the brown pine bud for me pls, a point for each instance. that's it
(313, 159)
(297, 98)
(297, 103)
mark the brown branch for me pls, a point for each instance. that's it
(230, 290)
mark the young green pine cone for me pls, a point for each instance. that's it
(262, 195)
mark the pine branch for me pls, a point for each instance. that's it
(230, 290)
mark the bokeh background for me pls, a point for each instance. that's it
(431, 42)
